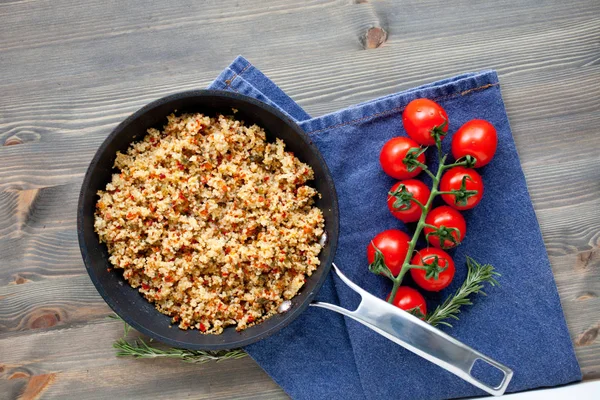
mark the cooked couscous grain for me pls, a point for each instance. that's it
(214, 225)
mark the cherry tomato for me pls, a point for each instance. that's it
(444, 261)
(477, 138)
(421, 117)
(450, 222)
(453, 179)
(411, 211)
(392, 158)
(408, 298)
(393, 244)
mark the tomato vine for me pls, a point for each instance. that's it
(410, 200)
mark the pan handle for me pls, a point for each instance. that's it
(419, 337)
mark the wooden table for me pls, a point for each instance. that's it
(70, 71)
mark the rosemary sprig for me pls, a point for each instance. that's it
(477, 275)
(139, 348)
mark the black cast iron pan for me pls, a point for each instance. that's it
(126, 301)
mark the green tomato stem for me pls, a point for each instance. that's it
(454, 192)
(425, 169)
(456, 164)
(421, 205)
(406, 265)
(413, 266)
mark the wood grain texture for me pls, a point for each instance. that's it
(71, 71)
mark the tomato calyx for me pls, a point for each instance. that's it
(462, 195)
(403, 198)
(411, 159)
(416, 311)
(445, 233)
(467, 161)
(378, 266)
(433, 269)
(438, 131)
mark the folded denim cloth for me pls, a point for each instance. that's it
(520, 323)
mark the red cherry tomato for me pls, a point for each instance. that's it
(392, 158)
(450, 222)
(427, 256)
(408, 298)
(477, 138)
(409, 212)
(421, 117)
(393, 244)
(452, 180)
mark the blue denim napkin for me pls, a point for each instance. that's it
(520, 323)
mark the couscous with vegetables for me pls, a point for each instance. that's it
(212, 223)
